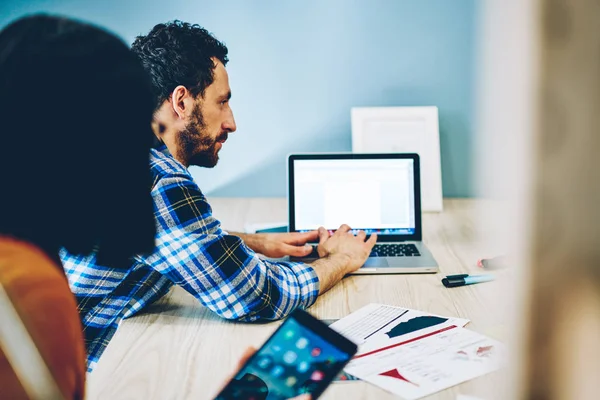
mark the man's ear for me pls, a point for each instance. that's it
(181, 100)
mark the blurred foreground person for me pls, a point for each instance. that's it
(76, 109)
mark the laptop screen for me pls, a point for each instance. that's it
(374, 194)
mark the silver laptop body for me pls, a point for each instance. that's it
(378, 193)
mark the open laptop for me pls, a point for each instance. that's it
(378, 193)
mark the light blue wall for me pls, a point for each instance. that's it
(297, 67)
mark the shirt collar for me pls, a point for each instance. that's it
(162, 148)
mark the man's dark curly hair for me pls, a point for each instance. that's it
(179, 53)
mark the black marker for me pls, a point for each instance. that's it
(465, 279)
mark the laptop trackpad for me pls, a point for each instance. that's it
(376, 262)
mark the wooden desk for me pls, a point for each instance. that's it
(177, 349)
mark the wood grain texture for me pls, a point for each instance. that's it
(177, 349)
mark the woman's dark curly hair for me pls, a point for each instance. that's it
(179, 53)
(76, 107)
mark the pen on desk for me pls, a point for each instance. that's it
(465, 279)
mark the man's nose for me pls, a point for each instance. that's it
(229, 124)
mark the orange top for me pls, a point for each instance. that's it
(39, 291)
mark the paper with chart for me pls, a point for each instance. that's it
(376, 324)
(432, 361)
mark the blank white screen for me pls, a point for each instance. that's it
(365, 194)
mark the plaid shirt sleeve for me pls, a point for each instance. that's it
(217, 268)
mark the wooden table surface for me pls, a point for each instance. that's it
(177, 349)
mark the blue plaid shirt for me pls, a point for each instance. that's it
(192, 251)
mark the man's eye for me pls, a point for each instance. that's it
(224, 102)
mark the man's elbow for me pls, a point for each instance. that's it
(252, 312)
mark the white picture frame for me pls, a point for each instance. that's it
(403, 130)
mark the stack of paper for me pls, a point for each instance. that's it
(414, 354)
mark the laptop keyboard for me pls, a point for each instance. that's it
(384, 250)
(395, 250)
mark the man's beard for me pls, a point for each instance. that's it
(196, 146)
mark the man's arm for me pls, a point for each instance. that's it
(277, 245)
(340, 254)
(217, 268)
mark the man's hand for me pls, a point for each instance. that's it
(341, 254)
(277, 245)
(344, 244)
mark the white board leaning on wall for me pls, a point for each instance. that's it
(403, 130)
